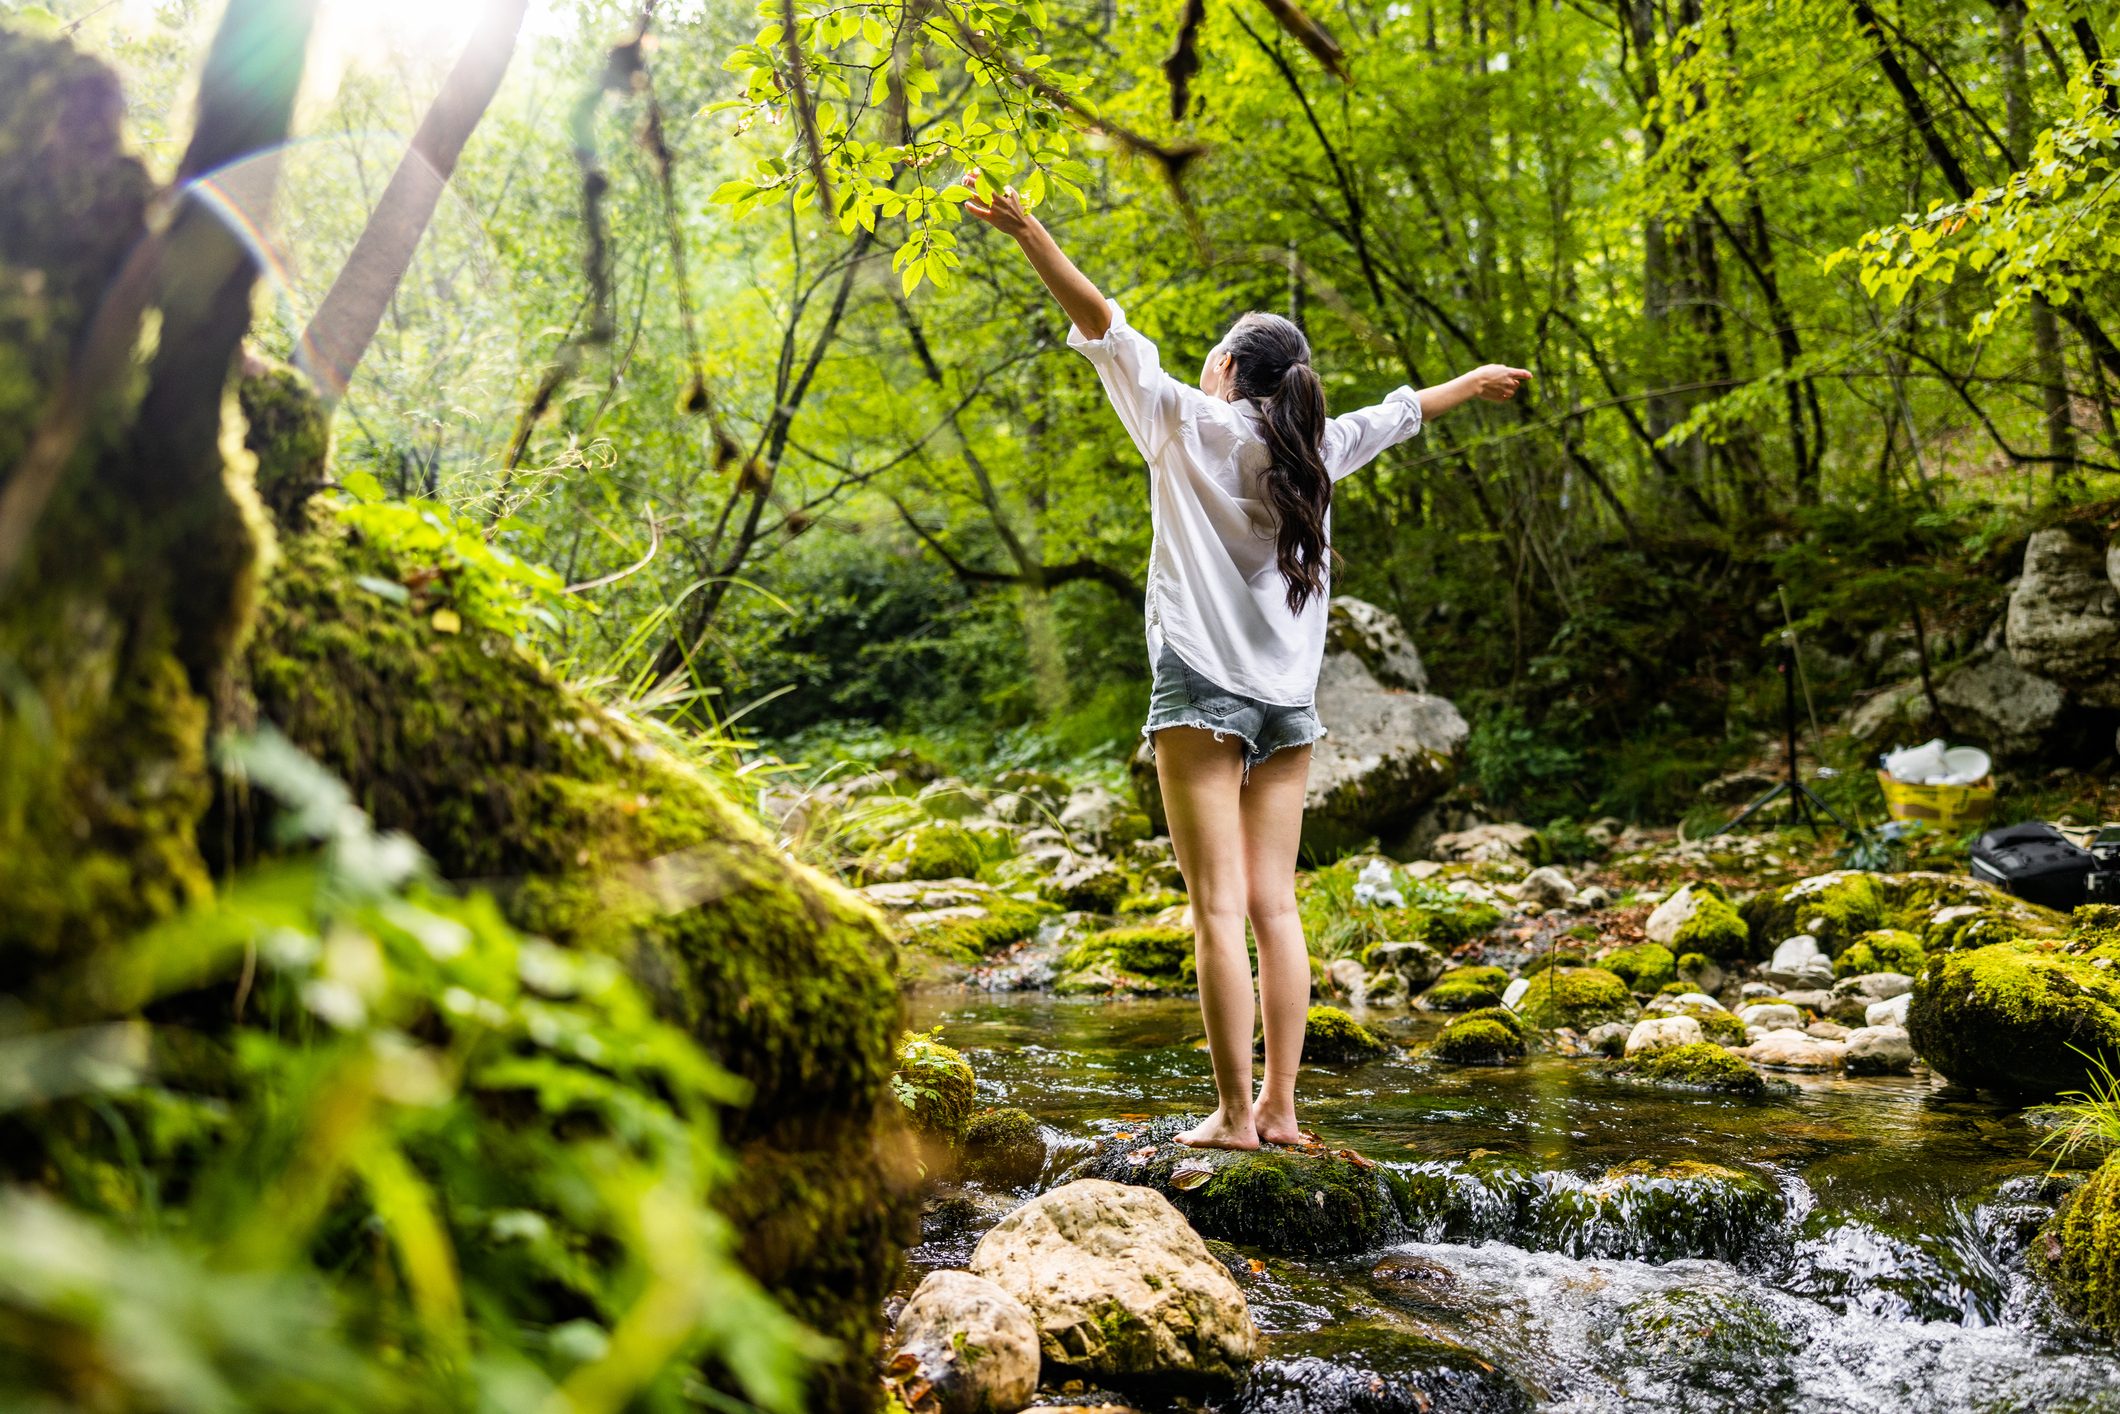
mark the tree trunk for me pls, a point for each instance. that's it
(2046, 332)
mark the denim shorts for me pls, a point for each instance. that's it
(1181, 697)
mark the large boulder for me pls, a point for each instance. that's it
(2024, 1017)
(1387, 753)
(2064, 617)
(1989, 699)
(973, 1344)
(1121, 1288)
(1376, 639)
(1698, 920)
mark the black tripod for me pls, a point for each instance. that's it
(1803, 801)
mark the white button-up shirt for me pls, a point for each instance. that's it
(1215, 589)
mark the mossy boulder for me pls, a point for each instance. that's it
(1702, 1065)
(2027, 1017)
(1644, 967)
(1945, 911)
(608, 842)
(1489, 1036)
(1578, 997)
(973, 932)
(1088, 883)
(1466, 989)
(935, 850)
(1332, 1037)
(1713, 929)
(1004, 1146)
(2078, 1251)
(1554, 957)
(1880, 950)
(1144, 958)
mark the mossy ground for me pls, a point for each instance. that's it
(1580, 997)
(1008, 920)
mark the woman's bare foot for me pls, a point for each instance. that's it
(1278, 1126)
(1217, 1131)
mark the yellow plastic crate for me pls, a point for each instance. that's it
(1952, 807)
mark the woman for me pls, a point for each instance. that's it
(1240, 488)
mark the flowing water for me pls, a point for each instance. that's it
(1893, 1280)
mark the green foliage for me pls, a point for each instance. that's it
(436, 1163)
(1340, 922)
(452, 570)
(934, 1083)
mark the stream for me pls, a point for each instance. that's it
(1893, 1282)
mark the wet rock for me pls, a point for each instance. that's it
(1608, 1039)
(1279, 1199)
(2064, 617)
(1348, 978)
(1662, 1034)
(1547, 887)
(1892, 1011)
(1771, 1016)
(1332, 1037)
(1511, 844)
(1879, 1050)
(1004, 1146)
(1722, 1349)
(1489, 1036)
(1377, 639)
(1466, 989)
(1703, 1066)
(1651, 1212)
(1120, 1287)
(1417, 963)
(1793, 1050)
(2078, 1252)
(2024, 1017)
(973, 1343)
(1698, 919)
(1376, 1370)
(1577, 997)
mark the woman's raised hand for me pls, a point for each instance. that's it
(1497, 382)
(1004, 213)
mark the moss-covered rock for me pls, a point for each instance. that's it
(1724, 1350)
(1644, 967)
(1554, 957)
(971, 932)
(1702, 1065)
(935, 850)
(1466, 989)
(1579, 997)
(1945, 911)
(1715, 929)
(1880, 950)
(1145, 958)
(1004, 1146)
(1333, 1037)
(1489, 1036)
(1717, 1025)
(1090, 884)
(936, 1085)
(2025, 1017)
(610, 843)
(2078, 1251)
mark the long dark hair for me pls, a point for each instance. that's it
(1272, 367)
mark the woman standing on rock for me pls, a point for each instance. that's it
(1241, 470)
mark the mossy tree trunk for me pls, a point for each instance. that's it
(155, 602)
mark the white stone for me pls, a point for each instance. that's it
(1671, 915)
(1662, 1034)
(976, 1344)
(1771, 1016)
(1548, 887)
(1348, 976)
(1485, 844)
(1514, 992)
(1795, 953)
(1608, 1038)
(1789, 1049)
(1874, 986)
(1879, 1050)
(1686, 999)
(1120, 1286)
(1892, 1011)
(1596, 896)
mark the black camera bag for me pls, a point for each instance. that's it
(2036, 862)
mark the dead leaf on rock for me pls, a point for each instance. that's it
(1142, 1155)
(1187, 1177)
(1360, 1161)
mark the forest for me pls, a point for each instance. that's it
(575, 830)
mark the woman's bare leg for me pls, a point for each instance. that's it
(1202, 781)
(1271, 810)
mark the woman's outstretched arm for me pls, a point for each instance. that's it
(1496, 382)
(1082, 301)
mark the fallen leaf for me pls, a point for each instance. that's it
(1257, 1266)
(1187, 1177)
(1360, 1161)
(1142, 1155)
(1123, 1134)
(447, 620)
(904, 1362)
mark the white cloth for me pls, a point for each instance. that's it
(1215, 591)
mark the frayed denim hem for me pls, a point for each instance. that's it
(1252, 755)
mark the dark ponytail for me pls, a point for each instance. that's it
(1272, 367)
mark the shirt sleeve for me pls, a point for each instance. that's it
(1354, 440)
(1151, 404)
